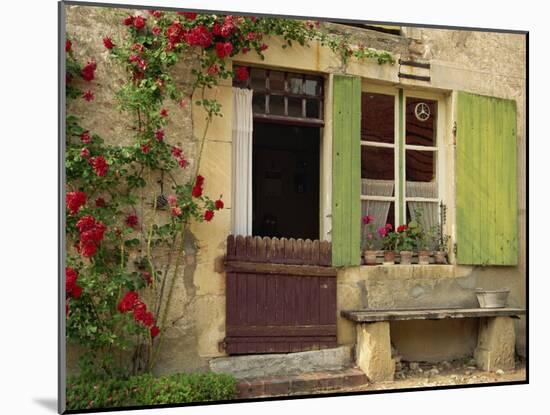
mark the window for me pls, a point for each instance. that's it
(399, 174)
(285, 96)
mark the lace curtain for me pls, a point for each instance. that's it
(242, 165)
(378, 209)
(429, 210)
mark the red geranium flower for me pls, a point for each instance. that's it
(128, 21)
(208, 215)
(159, 135)
(68, 45)
(389, 226)
(75, 200)
(88, 95)
(127, 302)
(99, 165)
(131, 221)
(241, 73)
(139, 22)
(218, 204)
(154, 331)
(88, 71)
(108, 43)
(401, 228)
(367, 219)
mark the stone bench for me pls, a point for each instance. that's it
(495, 345)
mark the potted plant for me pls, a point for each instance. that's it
(369, 239)
(389, 240)
(405, 244)
(440, 255)
(426, 243)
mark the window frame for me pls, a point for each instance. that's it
(400, 95)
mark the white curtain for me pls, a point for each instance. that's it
(378, 209)
(429, 210)
(242, 161)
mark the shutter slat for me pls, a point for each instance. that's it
(346, 148)
(486, 183)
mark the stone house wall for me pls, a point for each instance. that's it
(479, 62)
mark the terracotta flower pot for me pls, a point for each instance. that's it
(389, 257)
(440, 257)
(370, 257)
(424, 257)
(406, 257)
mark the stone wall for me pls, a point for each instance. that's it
(484, 63)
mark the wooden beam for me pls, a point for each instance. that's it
(280, 269)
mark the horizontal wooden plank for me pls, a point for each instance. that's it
(279, 339)
(285, 331)
(366, 316)
(280, 269)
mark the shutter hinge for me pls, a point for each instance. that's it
(454, 133)
(455, 248)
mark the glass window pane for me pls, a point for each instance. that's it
(276, 105)
(427, 214)
(258, 103)
(295, 107)
(377, 163)
(312, 87)
(382, 212)
(420, 165)
(276, 81)
(257, 79)
(295, 84)
(312, 108)
(421, 122)
(377, 117)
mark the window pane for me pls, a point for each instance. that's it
(258, 103)
(257, 79)
(377, 163)
(295, 85)
(295, 107)
(312, 108)
(382, 212)
(429, 214)
(377, 117)
(276, 81)
(421, 121)
(420, 165)
(312, 87)
(276, 105)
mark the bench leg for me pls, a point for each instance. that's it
(496, 344)
(373, 351)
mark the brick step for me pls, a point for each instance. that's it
(303, 384)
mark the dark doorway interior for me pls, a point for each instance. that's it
(285, 183)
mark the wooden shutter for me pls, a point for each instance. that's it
(346, 171)
(486, 181)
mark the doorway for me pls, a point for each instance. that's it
(285, 181)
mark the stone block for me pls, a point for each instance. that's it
(373, 353)
(496, 344)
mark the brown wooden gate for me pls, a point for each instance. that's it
(281, 295)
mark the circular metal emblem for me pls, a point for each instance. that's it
(422, 111)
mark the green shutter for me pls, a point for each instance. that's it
(346, 171)
(486, 181)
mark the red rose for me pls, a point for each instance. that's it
(75, 200)
(218, 204)
(85, 137)
(197, 191)
(72, 289)
(145, 148)
(84, 153)
(188, 15)
(68, 45)
(177, 152)
(213, 69)
(100, 202)
(131, 221)
(159, 135)
(250, 36)
(155, 13)
(245, 50)
(241, 73)
(172, 200)
(88, 71)
(208, 215)
(99, 165)
(147, 277)
(200, 180)
(139, 22)
(263, 47)
(154, 331)
(108, 43)
(128, 301)
(217, 29)
(182, 163)
(223, 49)
(176, 211)
(156, 30)
(138, 47)
(199, 36)
(164, 112)
(88, 95)
(128, 21)
(148, 319)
